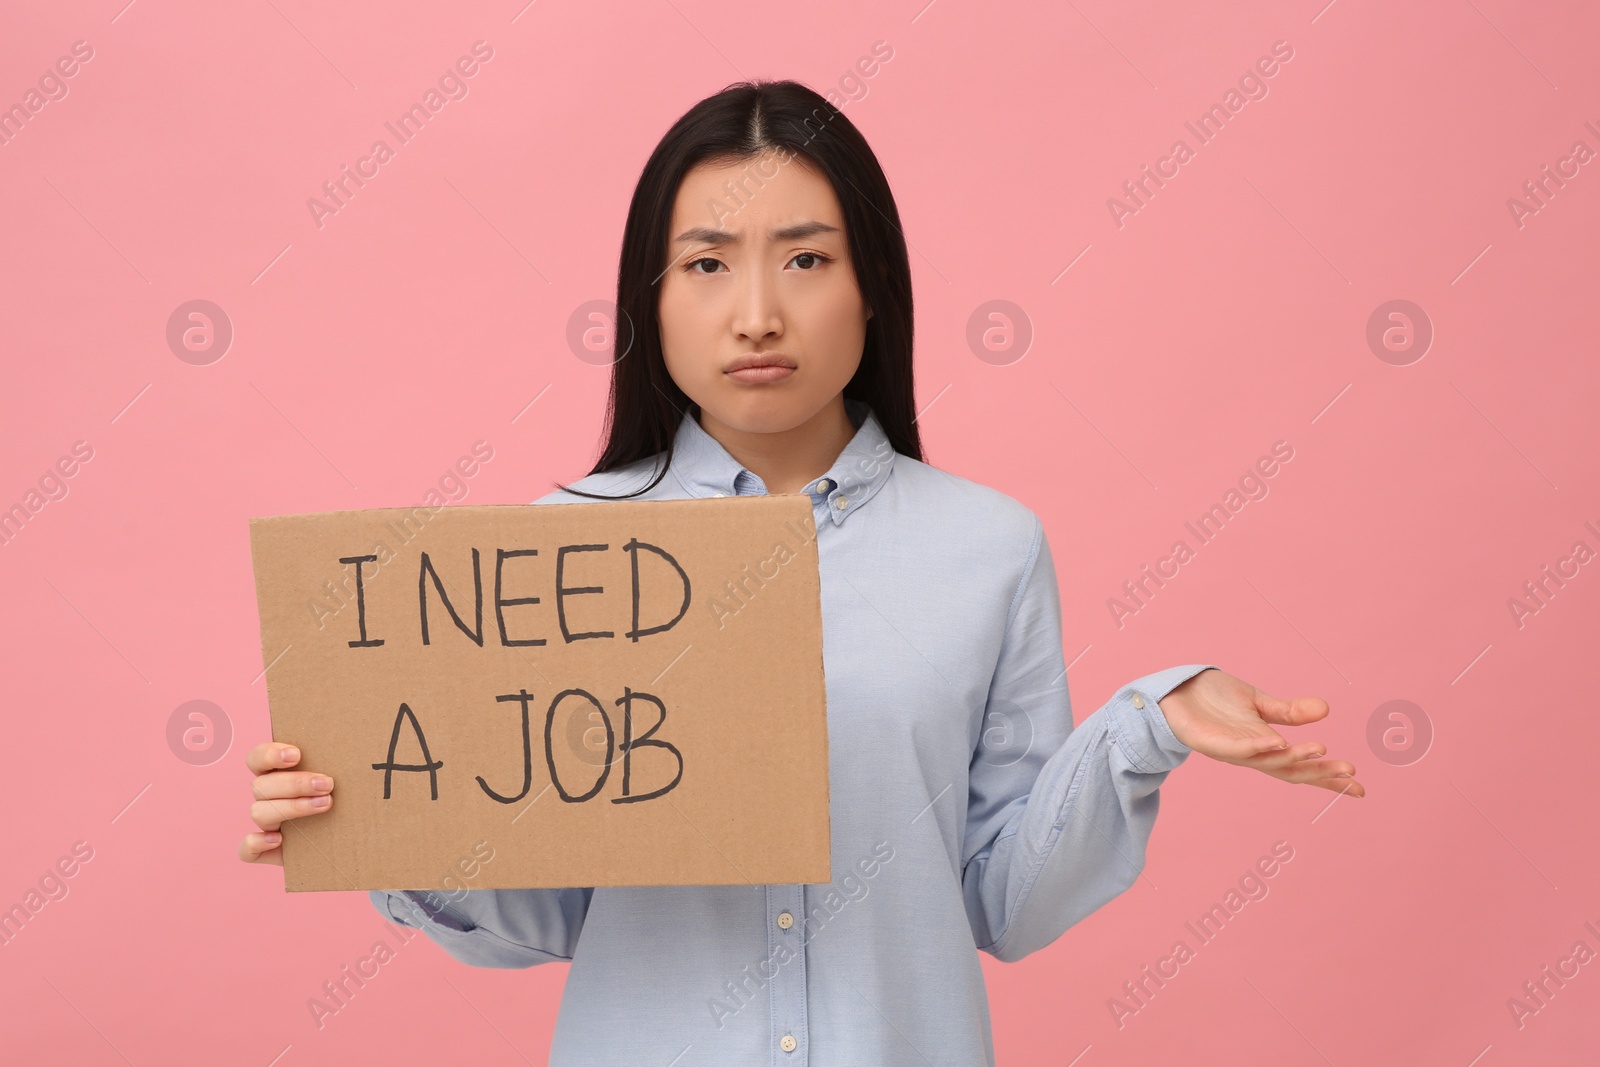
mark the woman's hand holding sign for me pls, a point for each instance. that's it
(280, 794)
(1231, 720)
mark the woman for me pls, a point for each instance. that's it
(766, 280)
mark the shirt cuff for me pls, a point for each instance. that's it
(418, 908)
(1141, 727)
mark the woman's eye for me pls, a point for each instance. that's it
(816, 260)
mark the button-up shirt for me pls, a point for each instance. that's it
(967, 812)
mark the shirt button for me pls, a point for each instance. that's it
(840, 502)
(785, 921)
(824, 485)
(1138, 701)
(788, 1043)
(719, 494)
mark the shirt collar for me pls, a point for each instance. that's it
(706, 469)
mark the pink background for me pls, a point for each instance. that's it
(1230, 312)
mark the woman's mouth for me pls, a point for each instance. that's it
(759, 367)
(773, 373)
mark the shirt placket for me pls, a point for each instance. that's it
(786, 919)
(785, 904)
(785, 926)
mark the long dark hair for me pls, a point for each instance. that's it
(739, 123)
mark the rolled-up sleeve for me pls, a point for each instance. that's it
(1058, 817)
(493, 927)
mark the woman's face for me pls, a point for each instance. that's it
(760, 265)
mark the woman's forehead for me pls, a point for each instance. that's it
(754, 196)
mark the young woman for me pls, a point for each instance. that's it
(766, 281)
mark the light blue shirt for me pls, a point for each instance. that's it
(967, 813)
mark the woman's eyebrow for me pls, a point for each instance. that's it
(796, 232)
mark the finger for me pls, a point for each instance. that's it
(262, 848)
(271, 756)
(1327, 774)
(272, 814)
(1311, 770)
(1287, 757)
(1304, 751)
(1296, 712)
(1336, 771)
(1272, 743)
(1345, 785)
(283, 785)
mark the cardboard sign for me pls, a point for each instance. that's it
(616, 693)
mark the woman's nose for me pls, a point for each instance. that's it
(757, 311)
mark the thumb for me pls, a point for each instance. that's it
(1296, 712)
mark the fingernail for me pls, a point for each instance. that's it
(321, 802)
(289, 755)
(322, 783)
(273, 838)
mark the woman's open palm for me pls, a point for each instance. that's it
(1231, 720)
